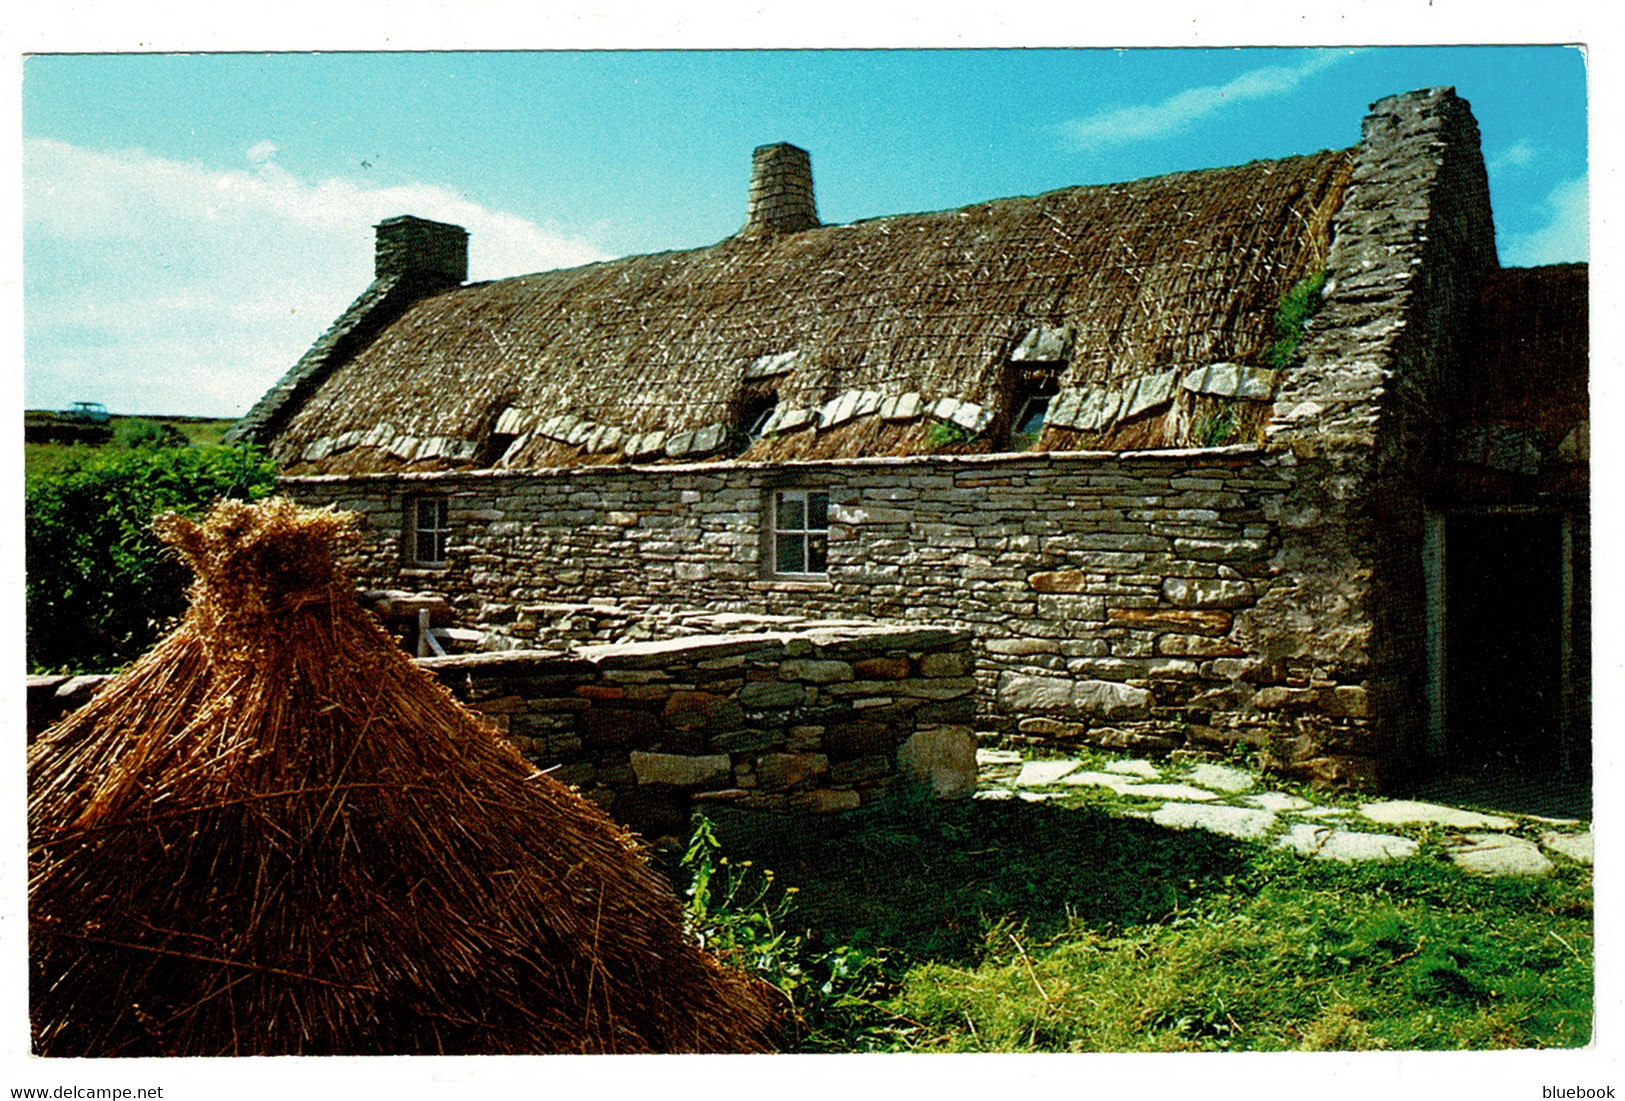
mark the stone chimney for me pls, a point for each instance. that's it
(432, 254)
(781, 192)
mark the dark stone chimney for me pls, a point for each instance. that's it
(781, 192)
(433, 254)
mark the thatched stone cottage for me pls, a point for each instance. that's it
(1273, 453)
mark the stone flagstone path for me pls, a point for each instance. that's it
(1224, 799)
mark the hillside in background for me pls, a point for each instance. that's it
(126, 431)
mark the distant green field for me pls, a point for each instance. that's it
(41, 457)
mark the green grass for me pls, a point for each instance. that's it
(1016, 926)
(199, 431)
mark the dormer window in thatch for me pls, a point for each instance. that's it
(1033, 386)
(507, 423)
(751, 414)
(755, 415)
(1033, 379)
(430, 530)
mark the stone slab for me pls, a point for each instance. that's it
(1354, 845)
(1170, 791)
(772, 694)
(1500, 854)
(679, 771)
(942, 757)
(1110, 700)
(1222, 778)
(1397, 811)
(1135, 767)
(985, 757)
(1575, 846)
(1037, 774)
(1149, 392)
(1326, 843)
(1231, 380)
(1045, 344)
(1239, 822)
(1117, 783)
(1021, 694)
(1277, 801)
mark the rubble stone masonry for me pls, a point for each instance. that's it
(805, 722)
(1134, 601)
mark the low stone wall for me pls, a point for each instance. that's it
(801, 722)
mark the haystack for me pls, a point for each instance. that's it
(275, 835)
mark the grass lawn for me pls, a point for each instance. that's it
(1066, 926)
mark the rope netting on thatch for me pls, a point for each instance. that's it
(274, 834)
(1177, 271)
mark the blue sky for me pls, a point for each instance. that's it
(192, 222)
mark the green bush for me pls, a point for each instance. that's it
(141, 433)
(100, 588)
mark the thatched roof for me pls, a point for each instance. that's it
(1531, 353)
(273, 834)
(865, 335)
(1523, 409)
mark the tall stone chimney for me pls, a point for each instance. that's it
(781, 192)
(431, 254)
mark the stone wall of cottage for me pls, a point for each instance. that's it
(806, 722)
(1412, 244)
(1113, 598)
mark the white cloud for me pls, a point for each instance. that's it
(164, 287)
(1138, 122)
(1565, 238)
(1517, 155)
(260, 152)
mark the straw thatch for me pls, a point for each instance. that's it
(1531, 354)
(1175, 272)
(274, 834)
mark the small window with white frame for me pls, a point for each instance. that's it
(430, 530)
(800, 533)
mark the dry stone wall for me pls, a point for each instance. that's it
(1113, 598)
(794, 722)
(807, 722)
(1412, 244)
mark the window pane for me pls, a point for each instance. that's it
(1032, 417)
(791, 512)
(426, 547)
(818, 553)
(817, 511)
(754, 428)
(791, 557)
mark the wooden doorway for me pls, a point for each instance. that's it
(1501, 610)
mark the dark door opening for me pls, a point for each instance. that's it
(1504, 642)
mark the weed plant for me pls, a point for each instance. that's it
(945, 434)
(1292, 314)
